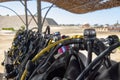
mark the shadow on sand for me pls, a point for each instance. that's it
(1, 76)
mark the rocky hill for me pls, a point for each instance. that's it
(16, 23)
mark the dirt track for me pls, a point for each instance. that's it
(6, 40)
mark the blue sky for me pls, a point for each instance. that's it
(108, 16)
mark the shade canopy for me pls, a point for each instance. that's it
(82, 6)
(7, 0)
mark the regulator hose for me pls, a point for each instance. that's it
(96, 60)
(65, 43)
(45, 50)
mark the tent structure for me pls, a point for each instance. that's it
(84, 6)
(75, 6)
(81, 6)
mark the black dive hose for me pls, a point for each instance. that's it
(97, 47)
(71, 53)
(100, 47)
(67, 42)
(73, 41)
(63, 62)
(44, 62)
(47, 30)
(30, 55)
(96, 60)
(89, 49)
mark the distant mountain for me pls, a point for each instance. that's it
(16, 23)
(51, 21)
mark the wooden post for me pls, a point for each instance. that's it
(26, 14)
(39, 15)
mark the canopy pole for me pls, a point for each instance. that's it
(26, 14)
(39, 16)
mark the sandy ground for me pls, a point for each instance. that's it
(6, 40)
(5, 44)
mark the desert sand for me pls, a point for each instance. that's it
(5, 44)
